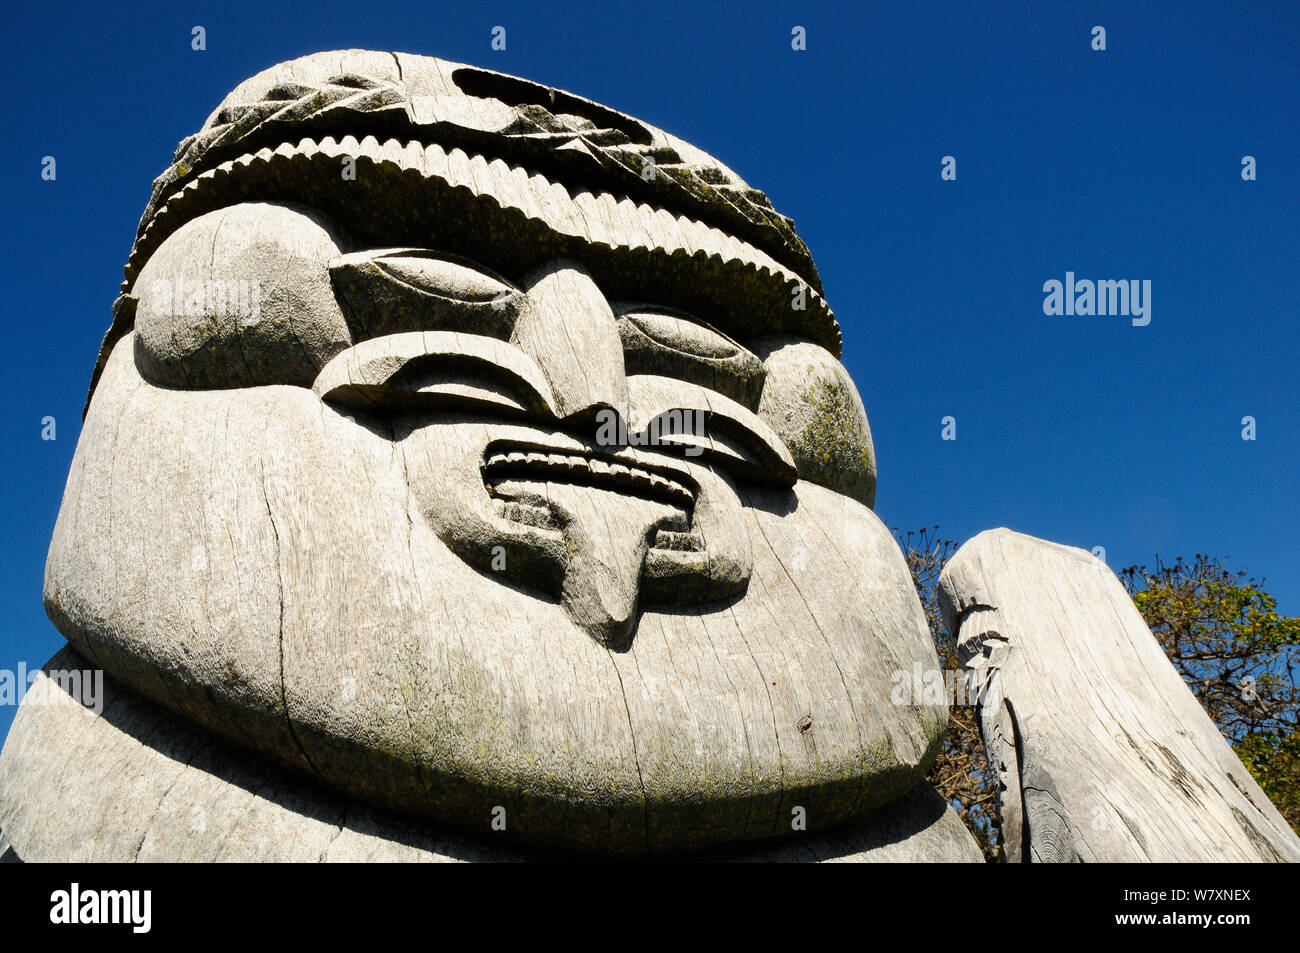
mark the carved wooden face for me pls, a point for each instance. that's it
(557, 443)
(451, 532)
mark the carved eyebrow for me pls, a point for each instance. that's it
(428, 368)
(447, 368)
(734, 436)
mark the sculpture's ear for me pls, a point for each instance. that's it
(811, 402)
(240, 297)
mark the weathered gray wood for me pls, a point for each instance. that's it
(1103, 752)
(148, 787)
(224, 560)
(372, 531)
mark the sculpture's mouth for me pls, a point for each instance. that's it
(528, 483)
(504, 462)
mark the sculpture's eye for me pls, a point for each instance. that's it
(666, 343)
(392, 290)
(240, 297)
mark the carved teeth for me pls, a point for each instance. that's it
(526, 513)
(568, 466)
(682, 542)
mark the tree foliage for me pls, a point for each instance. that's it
(1241, 659)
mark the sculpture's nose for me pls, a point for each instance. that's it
(568, 328)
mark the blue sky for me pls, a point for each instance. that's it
(1117, 164)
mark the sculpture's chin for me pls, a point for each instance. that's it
(295, 582)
